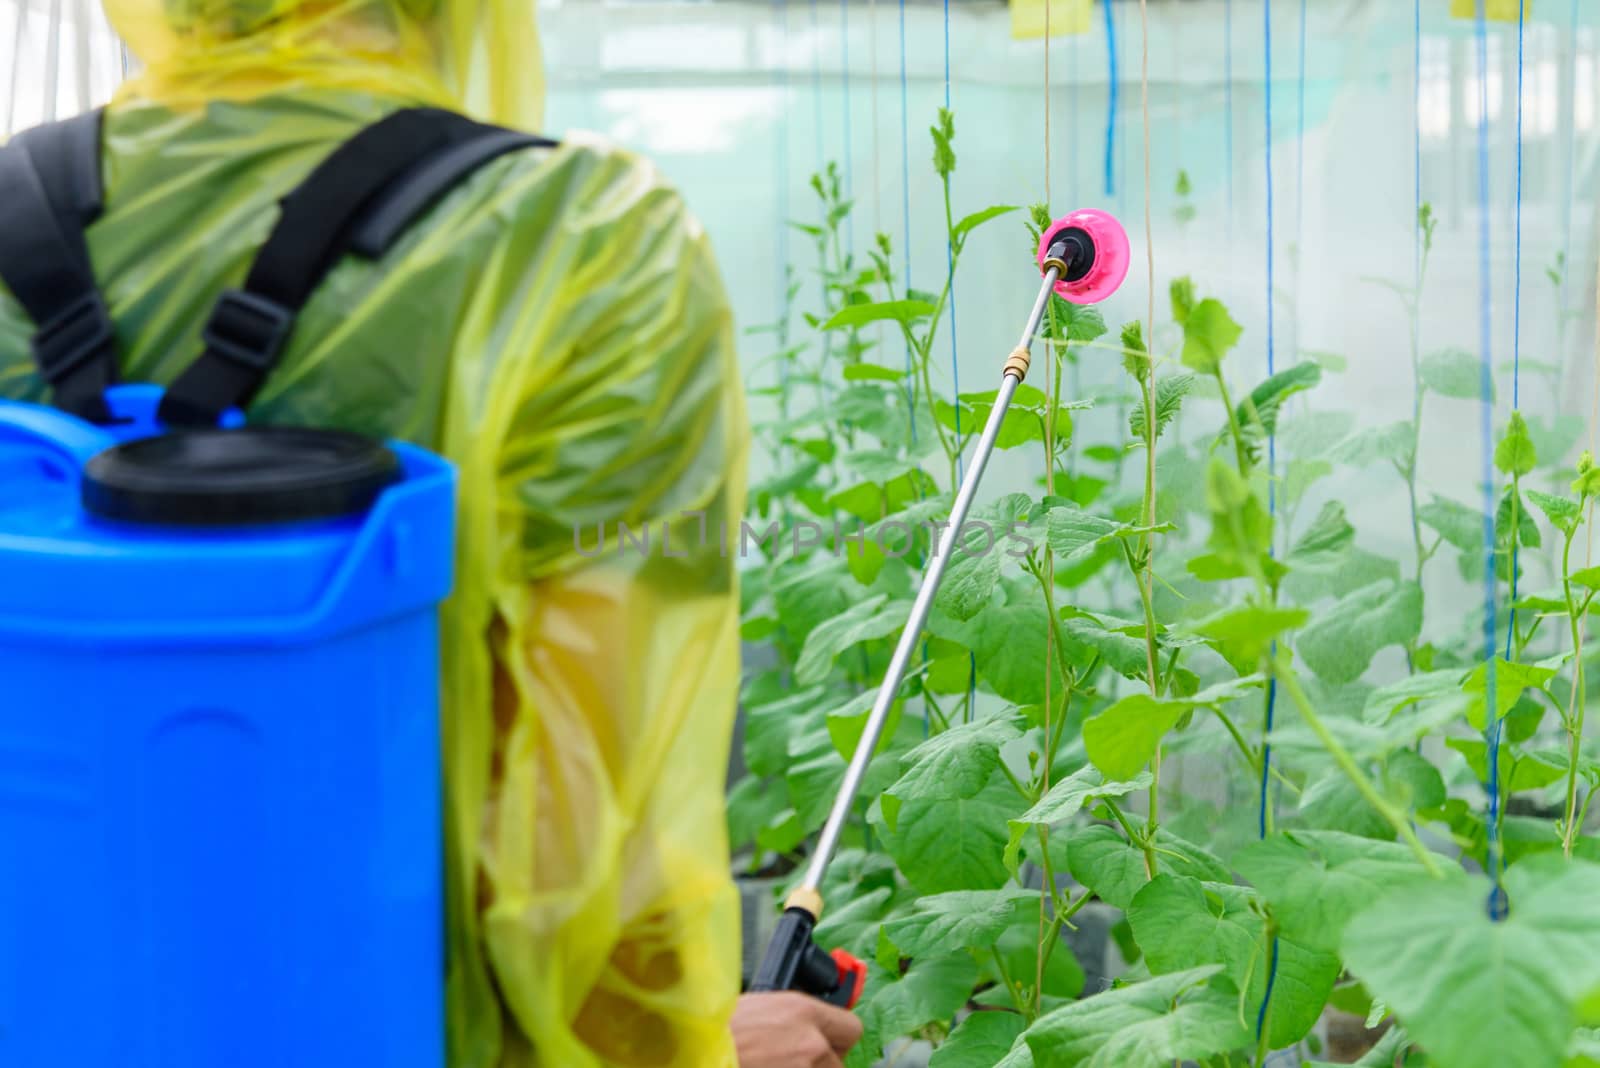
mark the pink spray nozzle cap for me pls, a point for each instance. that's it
(1099, 255)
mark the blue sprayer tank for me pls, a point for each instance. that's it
(219, 766)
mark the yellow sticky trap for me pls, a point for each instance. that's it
(1494, 10)
(1066, 17)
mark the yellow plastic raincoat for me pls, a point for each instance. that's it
(556, 327)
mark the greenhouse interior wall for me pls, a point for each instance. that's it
(1291, 157)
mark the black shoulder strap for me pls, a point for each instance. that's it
(49, 193)
(360, 199)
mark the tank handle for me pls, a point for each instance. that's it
(60, 441)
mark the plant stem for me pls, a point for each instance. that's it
(1285, 674)
(1575, 704)
(1011, 988)
(1239, 453)
(1135, 838)
(1249, 754)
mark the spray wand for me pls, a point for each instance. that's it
(1084, 257)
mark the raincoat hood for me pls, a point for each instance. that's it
(477, 56)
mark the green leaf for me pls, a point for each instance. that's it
(900, 311)
(1181, 292)
(1246, 631)
(1479, 994)
(1064, 800)
(1181, 922)
(1328, 537)
(1395, 443)
(1170, 392)
(1011, 653)
(1341, 641)
(1455, 522)
(931, 991)
(1518, 771)
(969, 581)
(1509, 681)
(1135, 357)
(960, 919)
(1209, 333)
(1515, 455)
(1075, 322)
(957, 844)
(768, 728)
(1453, 373)
(1073, 533)
(1317, 880)
(876, 617)
(952, 765)
(1259, 414)
(752, 804)
(979, 1041)
(848, 721)
(1563, 512)
(978, 218)
(944, 154)
(854, 924)
(1100, 858)
(858, 372)
(1122, 739)
(1151, 1024)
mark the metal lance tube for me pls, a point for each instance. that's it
(809, 893)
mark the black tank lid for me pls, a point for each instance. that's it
(252, 475)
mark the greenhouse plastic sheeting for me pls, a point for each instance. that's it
(579, 377)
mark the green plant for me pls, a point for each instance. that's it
(1091, 643)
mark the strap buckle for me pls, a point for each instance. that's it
(76, 335)
(248, 330)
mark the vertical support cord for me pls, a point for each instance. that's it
(1516, 304)
(816, 89)
(1072, 121)
(955, 366)
(1265, 799)
(877, 182)
(780, 20)
(1299, 191)
(1496, 904)
(905, 203)
(1047, 114)
(1227, 109)
(1570, 180)
(1111, 106)
(1416, 149)
(849, 147)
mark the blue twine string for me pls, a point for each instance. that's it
(1272, 493)
(849, 147)
(1111, 107)
(1496, 903)
(1516, 307)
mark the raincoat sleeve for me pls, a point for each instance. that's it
(604, 912)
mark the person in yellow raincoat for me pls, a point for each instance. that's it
(556, 326)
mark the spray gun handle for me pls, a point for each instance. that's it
(794, 961)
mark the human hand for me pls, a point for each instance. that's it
(789, 1030)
